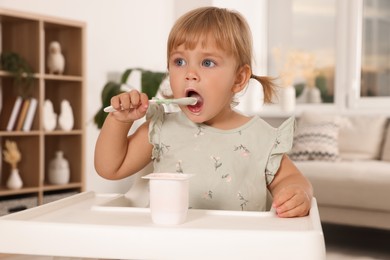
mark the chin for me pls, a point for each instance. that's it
(195, 117)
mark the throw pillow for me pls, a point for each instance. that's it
(386, 146)
(361, 137)
(316, 138)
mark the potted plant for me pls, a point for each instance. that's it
(20, 69)
(150, 82)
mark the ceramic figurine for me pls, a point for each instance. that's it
(66, 120)
(55, 60)
(49, 116)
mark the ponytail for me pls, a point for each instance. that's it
(268, 86)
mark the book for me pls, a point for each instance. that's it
(1, 97)
(30, 114)
(14, 113)
(22, 114)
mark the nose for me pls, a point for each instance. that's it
(192, 75)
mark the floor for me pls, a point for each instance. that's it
(342, 243)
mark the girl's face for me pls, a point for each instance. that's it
(207, 73)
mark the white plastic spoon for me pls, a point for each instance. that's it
(178, 101)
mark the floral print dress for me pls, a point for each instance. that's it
(231, 168)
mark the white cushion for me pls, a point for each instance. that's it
(361, 137)
(357, 184)
(316, 138)
(386, 146)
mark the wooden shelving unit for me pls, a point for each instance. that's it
(29, 35)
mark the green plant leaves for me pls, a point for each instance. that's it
(109, 90)
(150, 83)
(20, 69)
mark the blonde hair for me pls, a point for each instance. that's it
(231, 33)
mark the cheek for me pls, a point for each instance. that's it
(224, 85)
(174, 83)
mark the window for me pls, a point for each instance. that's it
(340, 47)
(375, 68)
(301, 45)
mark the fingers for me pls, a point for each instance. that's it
(292, 202)
(129, 101)
(144, 101)
(130, 106)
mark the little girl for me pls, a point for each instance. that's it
(235, 158)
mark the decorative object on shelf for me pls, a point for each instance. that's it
(49, 116)
(21, 70)
(59, 171)
(287, 99)
(66, 119)
(150, 83)
(14, 181)
(13, 156)
(55, 59)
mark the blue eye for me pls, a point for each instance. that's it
(208, 63)
(179, 62)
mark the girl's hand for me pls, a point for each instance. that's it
(292, 201)
(130, 106)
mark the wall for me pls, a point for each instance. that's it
(122, 34)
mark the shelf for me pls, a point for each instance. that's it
(72, 185)
(70, 38)
(30, 35)
(4, 73)
(7, 192)
(61, 132)
(20, 133)
(62, 77)
(21, 35)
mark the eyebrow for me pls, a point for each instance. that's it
(175, 52)
(206, 53)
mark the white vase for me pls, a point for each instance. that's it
(59, 172)
(287, 99)
(14, 181)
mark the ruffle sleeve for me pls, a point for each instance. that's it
(282, 144)
(156, 116)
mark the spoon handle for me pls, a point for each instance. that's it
(178, 101)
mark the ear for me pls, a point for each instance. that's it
(242, 77)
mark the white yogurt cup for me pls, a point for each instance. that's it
(168, 197)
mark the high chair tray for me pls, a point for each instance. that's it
(106, 226)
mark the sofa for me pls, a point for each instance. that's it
(347, 160)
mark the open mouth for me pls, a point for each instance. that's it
(198, 106)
